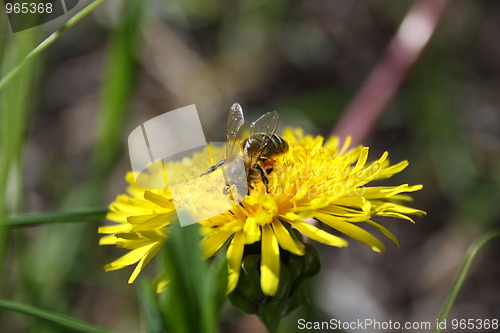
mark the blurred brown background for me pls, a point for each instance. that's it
(307, 60)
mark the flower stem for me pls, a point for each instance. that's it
(462, 272)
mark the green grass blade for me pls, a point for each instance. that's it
(95, 214)
(196, 289)
(56, 318)
(48, 41)
(462, 273)
(215, 291)
(16, 104)
(117, 92)
(185, 272)
(150, 309)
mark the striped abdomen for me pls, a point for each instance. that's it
(269, 145)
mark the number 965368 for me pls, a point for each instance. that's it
(28, 7)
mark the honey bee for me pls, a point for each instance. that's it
(256, 143)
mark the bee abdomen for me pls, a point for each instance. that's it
(277, 145)
(268, 145)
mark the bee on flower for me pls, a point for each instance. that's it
(293, 179)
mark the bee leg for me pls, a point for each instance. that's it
(218, 164)
(214, 167)
(265, 180)
(267, 167)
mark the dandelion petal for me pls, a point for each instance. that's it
(270, 264)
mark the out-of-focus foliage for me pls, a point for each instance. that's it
(305, 59)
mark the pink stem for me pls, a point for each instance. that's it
(383, 82)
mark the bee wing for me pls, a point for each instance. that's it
(266, 124)
(234, 130)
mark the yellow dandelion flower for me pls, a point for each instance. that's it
(143, 217)
(313, 180)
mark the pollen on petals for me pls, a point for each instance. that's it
(332, 186)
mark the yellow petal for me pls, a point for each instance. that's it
(159, 200)
(286, 241)
(319, 235)
(355, 201)
(151, 222)
(382, 158)
(319, 203)
(269, 204)
(346, 145)
(160, 283)
(234, 255)
(389, 171)
(396, 215)
(114, 229)
(291, 216)
(347, 213)
(386, 232)
(107, 240)
(270, 263)
(363, 156)
(388, 191)
(128, 259)
(351, 230)
(144, 261)
(262, 217)
(332, 143)
(213, 242)
(251, 230)
(116, 216)
(132, 243)
(387, 207)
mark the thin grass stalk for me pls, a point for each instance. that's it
(26, 220)
(15, 104)
(462, 273)
(76, 241)
(116, 96)
(151, 312)
(56, 318)
(47, 42)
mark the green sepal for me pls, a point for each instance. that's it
(249, 298)
(248, 295)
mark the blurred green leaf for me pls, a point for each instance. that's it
(215, 290)
(56, 318)
(117, 92)
(150, 307)
(196, 289)
(50, 283)
(95, 214)
(15, 106)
